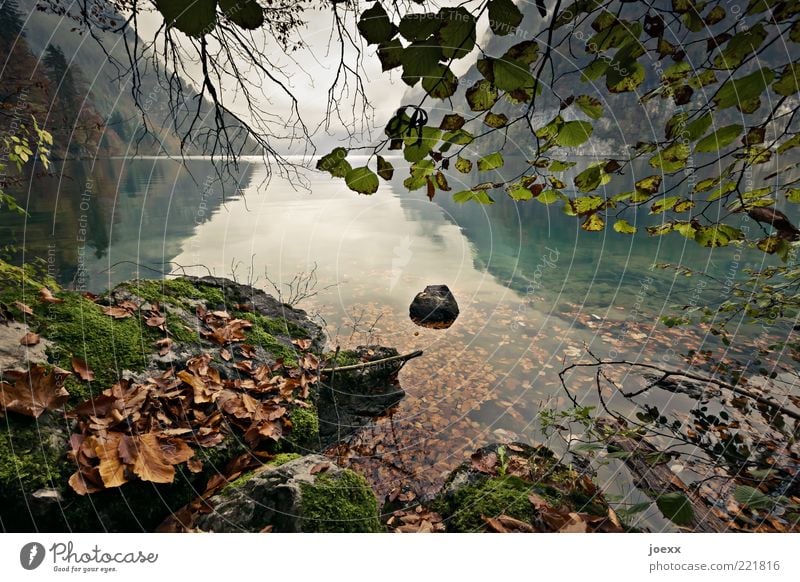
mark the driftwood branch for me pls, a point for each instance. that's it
(656, 479)
(681, 374)
(399, 358)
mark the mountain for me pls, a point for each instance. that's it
(75, 91)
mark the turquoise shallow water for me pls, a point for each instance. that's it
(533, 288)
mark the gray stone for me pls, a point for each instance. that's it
(277, 497)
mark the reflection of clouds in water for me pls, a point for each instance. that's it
(402, 257)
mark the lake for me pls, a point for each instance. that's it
(535, 291)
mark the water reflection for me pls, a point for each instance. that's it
(534, 289)
(99, 223)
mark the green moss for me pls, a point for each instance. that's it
(78, 327)
(343, 358)
(488, 497)
(339, 504)
(179, 331)
(304, 436)
(283, 458)
(175, 291)
(16, 280)
(277, 461)
(273, 325)
(260, 337)
(27, 456)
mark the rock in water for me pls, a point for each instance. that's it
(434, 307)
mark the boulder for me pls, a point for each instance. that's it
(516, 487)
(435, 307)
(308, 494)
(350, 398)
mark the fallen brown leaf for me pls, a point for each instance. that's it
(29, 339)
(81, 368)
(116, 312)
(33, 391)
(23, 308)
(46, 296)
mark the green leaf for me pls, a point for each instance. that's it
(482, 96)
(504, 17)
(385, 169)
(594, 223)
(416, 147)
(683, 206)
(742, 92)
(452, 122)
(550, 196)
(590, 106)
(374, 24)
(789, 82)
(418, 27)
(362, 180)
(192, 17)
(463, 165)
(559, 166)
(721, 191)
(440, 83)
(624, 227)
(490, 162)
(752, 497)
(420, 171)
(719, 235)
(457, 34)
(511, 75)
(617, 82)
(247, 14)
(664, 204)
(524, 53)
(335, 163)
(793, 195)
(574, 133)
(595, 69)
(676, 508)
(591, 178)
(420, 59)
(649, 185)
(458, 137)
(719, 139)
(495, 120)
(741, 46)
(687, 229)
(519, 193)
(479, 196)
(389, 54)
(789, 144)
(673, 158)
(586, 205)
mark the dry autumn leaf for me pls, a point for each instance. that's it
(34, 391)
(484, 462)
(23, 308)
(29, 339)
(46, 296)
(81, 368)
(156, 456)
(112, 470)
(116, 312)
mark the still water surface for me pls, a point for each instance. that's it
(533, 288)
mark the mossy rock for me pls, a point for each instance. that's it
(499, 480)
(308, 494)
